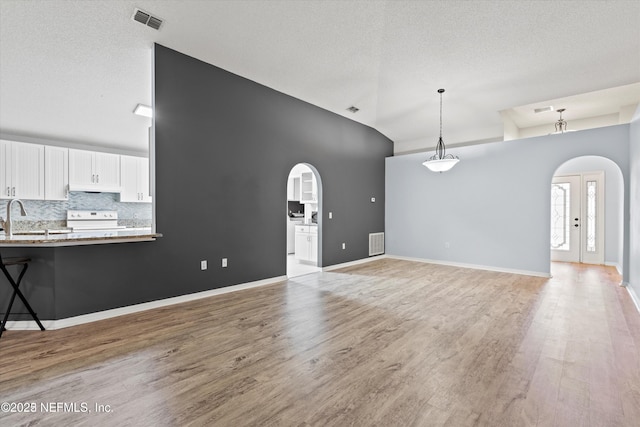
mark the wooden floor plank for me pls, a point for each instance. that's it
(387, 343)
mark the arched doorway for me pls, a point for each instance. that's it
(587, 208)
(304, 220)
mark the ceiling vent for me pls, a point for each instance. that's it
(543, 109)
(147, 19)
(353, 109)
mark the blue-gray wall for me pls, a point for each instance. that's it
(493, 207)
(634, 155)
(224, 148)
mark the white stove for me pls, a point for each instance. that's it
(80, 221)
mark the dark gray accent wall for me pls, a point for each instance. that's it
(224, 148)
(232, 143)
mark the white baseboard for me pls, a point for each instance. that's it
(616, 265)
(474, 266)
(30, 325)
(352, 263)
(633, 295)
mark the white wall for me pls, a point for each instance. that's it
(613, 199)
(576, 124)
(493, 207)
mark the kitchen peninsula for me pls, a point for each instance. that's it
(81, 274)
(75, 239)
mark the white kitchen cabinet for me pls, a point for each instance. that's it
(94, 171)
(307, 243)
(134, 178)
(56, 173)
(293, 189)
(22, 170)
(308, 188)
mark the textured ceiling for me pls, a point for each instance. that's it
(74, 70)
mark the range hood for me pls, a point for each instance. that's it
(93, 189)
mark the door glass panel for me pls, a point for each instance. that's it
(591, 215)
(560, 205)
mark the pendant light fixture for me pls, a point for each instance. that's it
(441, 161)
(561, 125)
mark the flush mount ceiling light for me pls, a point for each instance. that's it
(441, 161)
(143, 110)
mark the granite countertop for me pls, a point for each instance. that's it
(75, 239)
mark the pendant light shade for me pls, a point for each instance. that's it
(441, 165)
(441, 161)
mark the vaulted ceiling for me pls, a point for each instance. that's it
(74, 70)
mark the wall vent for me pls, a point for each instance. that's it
(376, 244)
(147, 19)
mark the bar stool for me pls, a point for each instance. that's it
(24, 262)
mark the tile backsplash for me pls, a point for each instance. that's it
(53, 214)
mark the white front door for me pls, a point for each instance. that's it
(577, 218)
(565, 219)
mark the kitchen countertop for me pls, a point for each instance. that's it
(76, 239)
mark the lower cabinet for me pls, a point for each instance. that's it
(307, 243)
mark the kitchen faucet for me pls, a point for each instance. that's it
(7, 224)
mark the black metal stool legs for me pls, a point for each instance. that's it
(16, 291)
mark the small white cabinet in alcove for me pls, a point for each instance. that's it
(307, 243)
(308, 188)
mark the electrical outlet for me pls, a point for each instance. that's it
(224, 262)
(203, 264)
(447, 245)
(344, 246)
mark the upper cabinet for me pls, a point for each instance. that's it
(308, 188)
(293, 188)
(93, 171)
(134, 177)
(56, 173)
(21, 170)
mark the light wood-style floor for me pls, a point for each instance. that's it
(389, 343)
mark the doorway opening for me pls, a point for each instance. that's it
(587, 212)
(304, 220)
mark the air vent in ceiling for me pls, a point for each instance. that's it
(543, 109)
(147, 19)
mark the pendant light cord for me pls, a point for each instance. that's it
(441, 112)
